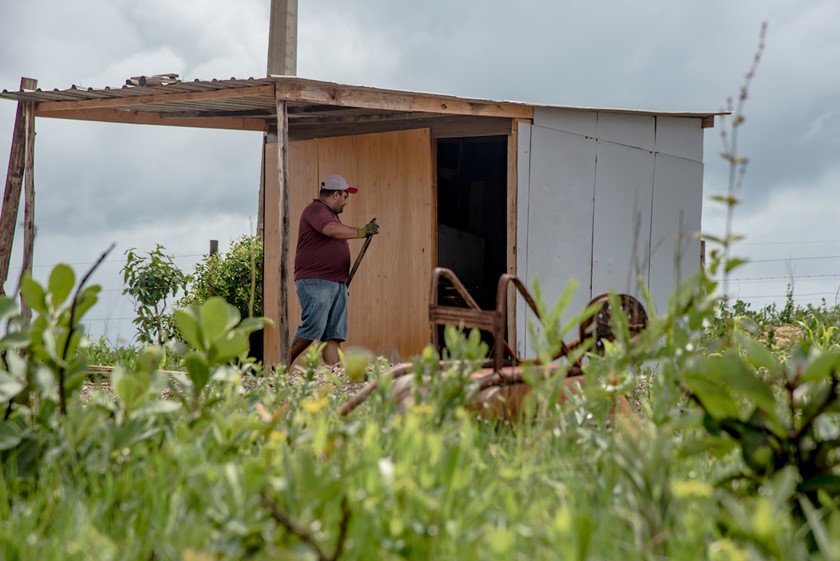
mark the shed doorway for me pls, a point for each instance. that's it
(472, 216)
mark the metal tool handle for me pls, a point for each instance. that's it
(359, 257)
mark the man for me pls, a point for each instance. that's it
(322, 267)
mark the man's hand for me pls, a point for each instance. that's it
(369, 229)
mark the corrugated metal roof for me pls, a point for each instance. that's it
(251, 103)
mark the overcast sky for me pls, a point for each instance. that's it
(141, 185)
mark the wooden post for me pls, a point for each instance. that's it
(214, 247)
(14, 179)
(282, 38)
(28, 199)
(283, 185)
(271, 254)
(276, 248)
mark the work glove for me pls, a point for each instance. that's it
(369, 229)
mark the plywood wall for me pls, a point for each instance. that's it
(393, 171)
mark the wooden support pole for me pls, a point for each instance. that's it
(276, 275)
(214, 247)
(283, 184)
(28, 199)
(271, 253)
(14, 180)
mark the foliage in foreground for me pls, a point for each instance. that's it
(236, 467)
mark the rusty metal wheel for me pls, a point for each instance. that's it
(599, 326)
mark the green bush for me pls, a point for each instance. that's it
(236, 276)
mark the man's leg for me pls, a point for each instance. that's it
(330, 352)
(298, 346)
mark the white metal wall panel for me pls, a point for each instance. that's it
(559, 217)
(680, 136)
(577, 122)
(523, 179)
(621, 236)
(631, 130)
(677, 202)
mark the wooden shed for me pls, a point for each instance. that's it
(607, 196)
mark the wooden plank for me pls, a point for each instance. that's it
(14, 180)
(357, 96)
(271, 253)
(512, 175)
(283, 183)
(153, 118)
(261, 195)
(303, 188)
(441, 126)
(155, 99)
(388, 306)
(28, 199)
(523, 182)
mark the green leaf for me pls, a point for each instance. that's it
(825, 482)
(718, 446)
(86, 300)
(714, 397)
(129, 388)
(198, 371)
(156, 408)
(217, 317)
(751, 386)
(227, 348)
(757, 354)
(733, 263)
(821, 367)
(14, 340)
(10, 386)
(188, 323)
(10, 435)
(727, 200)
(8, 308)
(33, 294)
(47, 384)
(62, 280)
(250, 325)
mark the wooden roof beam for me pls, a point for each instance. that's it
(349, 96)
(151, 118)
(163, 99)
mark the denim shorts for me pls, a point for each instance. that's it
(323, 306)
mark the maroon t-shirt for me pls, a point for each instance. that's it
(319, 256)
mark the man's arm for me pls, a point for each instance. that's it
(341, 231)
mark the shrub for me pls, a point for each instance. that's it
(235, 276)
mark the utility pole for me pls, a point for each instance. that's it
(282, 38)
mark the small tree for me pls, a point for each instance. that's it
(150, 281)
(236, 276)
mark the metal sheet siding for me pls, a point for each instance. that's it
(523, 179)
(677, 202)
(682, 137)
(578, 122)
(559, 216)
(638, 131)
(621, 237)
